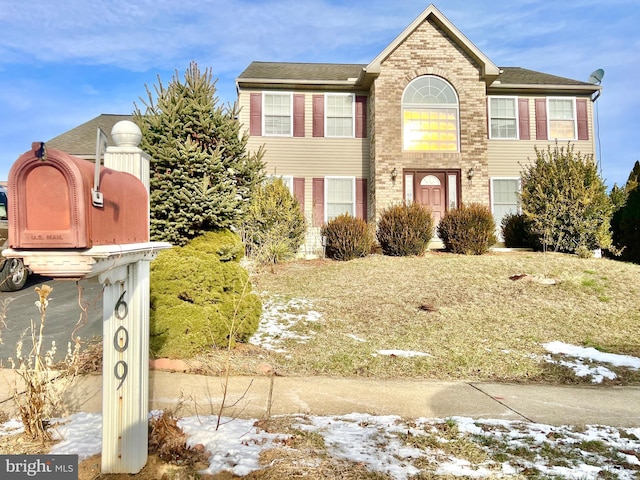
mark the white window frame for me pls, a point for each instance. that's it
(327, 116)
(517, 117)
(493, 212)
(264, 114)
(575, 118)
(430, 107)
(326, 194)
(286, 179)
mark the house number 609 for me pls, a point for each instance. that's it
(121, 340)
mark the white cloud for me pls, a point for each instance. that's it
(142, 38)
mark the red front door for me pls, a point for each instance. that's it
(430, 190)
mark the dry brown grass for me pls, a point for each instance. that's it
(465, 311)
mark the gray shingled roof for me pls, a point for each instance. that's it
(81, 140)
(301, 71)
(523, 76)
(341, 72)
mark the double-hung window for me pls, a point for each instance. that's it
(340, 196)
(504, 198)
(503, 117)
(562, 118)
(430, 115)
(339, 112)
(278, 114)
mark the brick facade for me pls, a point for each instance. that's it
(427, 51)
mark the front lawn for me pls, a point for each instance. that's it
(445, 316)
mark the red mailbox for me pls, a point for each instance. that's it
(58, 201)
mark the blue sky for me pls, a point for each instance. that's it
(64, 62)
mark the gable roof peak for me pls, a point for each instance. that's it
(489, 69)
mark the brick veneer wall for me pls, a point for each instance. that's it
(428, 50)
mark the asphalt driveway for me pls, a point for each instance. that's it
(71, 304)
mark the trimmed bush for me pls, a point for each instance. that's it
(347, 238)
(275, 227)
(201, 297)
(405, 229)
(516, 232)
(468, 229)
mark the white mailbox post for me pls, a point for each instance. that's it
(123, 269)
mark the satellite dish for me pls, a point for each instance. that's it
(596, 77)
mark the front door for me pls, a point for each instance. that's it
(430, 190)
(439, 189)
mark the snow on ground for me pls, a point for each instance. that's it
(394, 446)
(582, 354)
(401, 353)
(279, 320)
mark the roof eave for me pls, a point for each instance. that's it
(523, 87)
(352, 84)
(296, 81)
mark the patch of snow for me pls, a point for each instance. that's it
(234, 447)
(362, 438)
(591, 353)
(80, 434)
(402, 353)
(11, 427)
(279, 317)
(356, 338)
(581, 369)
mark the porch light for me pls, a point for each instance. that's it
(394, 174)
(470, 173)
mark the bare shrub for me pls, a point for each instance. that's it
(42, 384)
(347, 238)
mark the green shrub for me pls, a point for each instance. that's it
(201, 297)
(347, 238)
(275, 226)
(516, 232)
(566, 200)
(405, 229)
(468, 229)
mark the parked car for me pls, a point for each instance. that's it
(13, 273)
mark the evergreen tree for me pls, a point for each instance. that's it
(634, 177)
(566, 200)
(275, 226)
(625, 223)
(201, 175)
(617, 196)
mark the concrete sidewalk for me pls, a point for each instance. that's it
(250, 397)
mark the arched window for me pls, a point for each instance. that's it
(430, 180)
(430, 115)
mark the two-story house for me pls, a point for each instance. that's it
(431, 119)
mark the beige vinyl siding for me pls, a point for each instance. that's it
(314, 157)
(309, 157)
(508, 157)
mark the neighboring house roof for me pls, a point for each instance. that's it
(81, 140)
